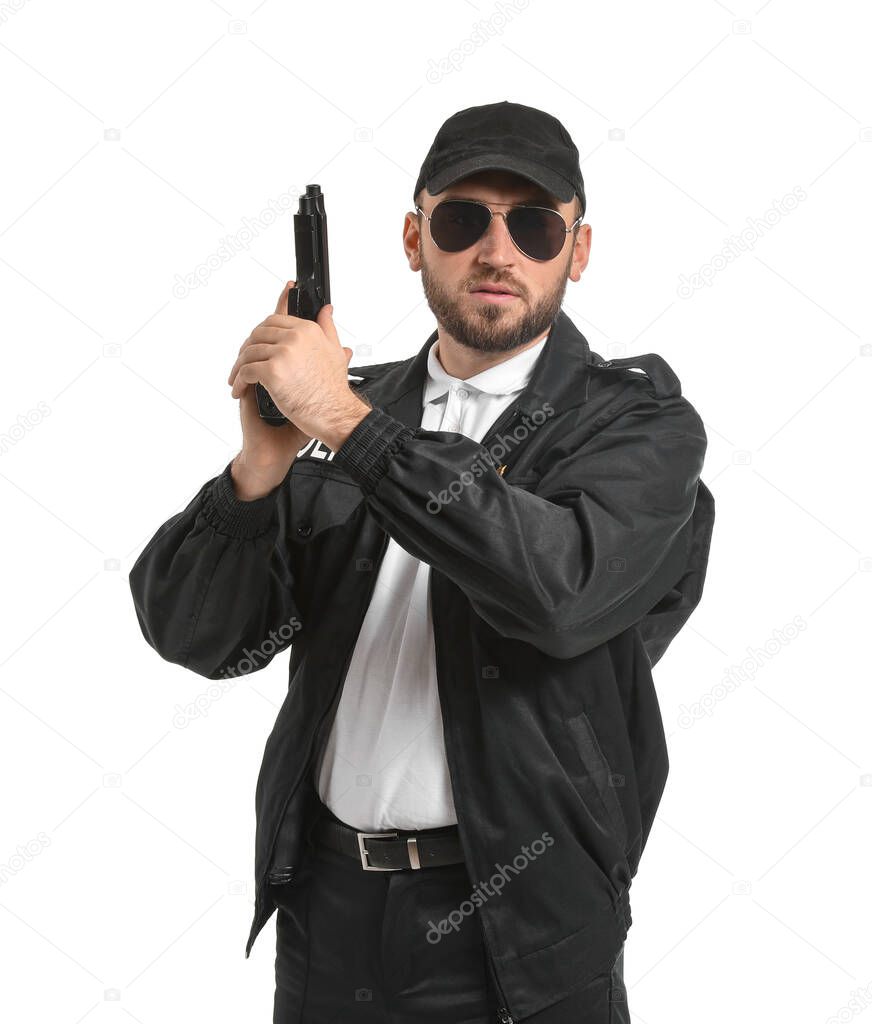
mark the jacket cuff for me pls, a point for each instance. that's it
(367, 451)
(230, 515)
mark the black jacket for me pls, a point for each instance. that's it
(563, 563)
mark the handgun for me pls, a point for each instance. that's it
(311, 289)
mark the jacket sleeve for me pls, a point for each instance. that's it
(213, 591)
(604, 537)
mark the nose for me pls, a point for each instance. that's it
(496, 247)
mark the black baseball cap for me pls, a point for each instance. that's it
(504, 136)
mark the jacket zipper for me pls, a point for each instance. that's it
(320, 727)
(507, 418)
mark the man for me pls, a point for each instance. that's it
(476, 554)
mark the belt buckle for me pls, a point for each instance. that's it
(364, 853)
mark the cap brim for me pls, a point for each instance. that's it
(538, 173)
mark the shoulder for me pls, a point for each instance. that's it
(653, 368)
(638, 395)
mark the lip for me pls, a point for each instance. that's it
(493, 296)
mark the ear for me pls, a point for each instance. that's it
(412, 240)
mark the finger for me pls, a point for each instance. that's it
(259, 336)
(282, 304)
(253, 353)
(248, 340)
(325, 322)
(251, 373)
(270, 333)
(285, 320)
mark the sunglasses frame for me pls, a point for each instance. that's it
(504, 215)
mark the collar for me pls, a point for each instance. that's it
(504, 378)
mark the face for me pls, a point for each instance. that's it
(450, 279)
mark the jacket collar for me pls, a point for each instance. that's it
(559, 376)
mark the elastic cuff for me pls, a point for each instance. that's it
(231, 515)
(367, 451)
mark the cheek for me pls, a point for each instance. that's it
(541, 284)
(449, 270)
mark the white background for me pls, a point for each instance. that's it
(136, 138)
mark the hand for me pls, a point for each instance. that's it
(267, 451)
(304, 367)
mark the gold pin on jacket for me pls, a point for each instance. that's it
(502, 470)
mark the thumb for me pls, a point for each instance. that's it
(325, 322)
(282, 304)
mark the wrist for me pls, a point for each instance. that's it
(253, 480)
(343, 422)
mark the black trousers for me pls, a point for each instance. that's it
(364, 947)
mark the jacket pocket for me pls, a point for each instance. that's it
(526, 483)
(321, 496)
(598, 770)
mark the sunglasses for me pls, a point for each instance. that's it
(456, 224)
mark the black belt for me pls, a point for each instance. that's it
(392, 851)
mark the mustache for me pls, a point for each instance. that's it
(508, 286)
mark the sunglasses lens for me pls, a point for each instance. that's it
(537, 232)
(456, 225)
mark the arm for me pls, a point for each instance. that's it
(212, 588)
(565, 569)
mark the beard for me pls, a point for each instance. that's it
(491, 327)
